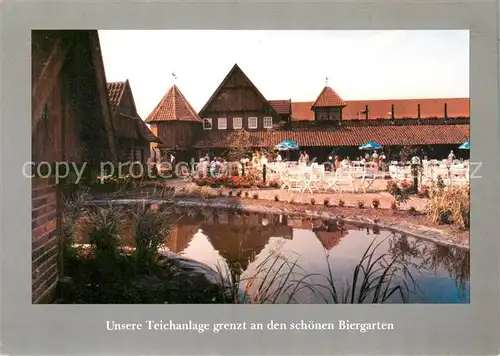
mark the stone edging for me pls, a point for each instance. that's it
(417, 231)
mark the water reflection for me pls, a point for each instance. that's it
(241, 242)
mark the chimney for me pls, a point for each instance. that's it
(418, 112)
(392, 112)
(445, 111)
(366, 112)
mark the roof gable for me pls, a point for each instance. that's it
(173, 107)
(235, 80)
(328, 98)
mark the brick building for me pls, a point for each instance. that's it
(70, 122)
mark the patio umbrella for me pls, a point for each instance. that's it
(287, 145)
(465, 146)
(370, 145)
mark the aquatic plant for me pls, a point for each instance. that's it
(376, 203)
(326, 202)
(341, 202)
(313, 201)
(276, 198)
(361, 204)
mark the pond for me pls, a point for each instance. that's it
(287, 259)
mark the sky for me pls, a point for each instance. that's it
(359, 65)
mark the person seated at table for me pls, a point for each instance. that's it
(375, 157)
(367, 157)
(306, 158)
(301, 157)
(278, 157)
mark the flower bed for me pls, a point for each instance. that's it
(235, 182)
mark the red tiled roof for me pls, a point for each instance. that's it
(282, 107)
(146, 133)
(328, 97)
(172, 107)
(301, 111)
(456, 107)
(347, 136)
(115, 92)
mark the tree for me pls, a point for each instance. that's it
(240, 145)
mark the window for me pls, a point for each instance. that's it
(207, 124)
(222, 123)
(237, 123)
(268, 122)
(252, 123)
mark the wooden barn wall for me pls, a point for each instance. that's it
(46, 139)
(180, 134)
(87, 106)
(127, 103)
(237, 96)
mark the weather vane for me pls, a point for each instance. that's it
(326, 81)
(174, 77)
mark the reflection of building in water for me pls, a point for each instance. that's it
(242, 238)
(331, 235)
(181, 234)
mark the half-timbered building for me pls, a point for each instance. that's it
(133, 138)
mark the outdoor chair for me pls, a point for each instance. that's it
(369, 177)
(344, 178)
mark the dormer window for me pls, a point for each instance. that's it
(207, 124)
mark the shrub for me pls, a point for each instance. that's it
(361, 204)
(341, 202)
(313, 201)
(376, 203)
(326, 202)
(255, 195)
(151, 233)
(276, 198)
(292, 200)
(239, 192)
(423, 192)
(450, 206)
(394, 205)
(230, 193)
(208, 192)
(247, 194)
(412, 210)
(440, 183)
(400, 192)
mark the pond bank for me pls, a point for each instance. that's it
(399, 221)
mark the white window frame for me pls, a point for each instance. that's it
(256, 122)
(205, 120)
(268, 118)
(240, 121)
(221, 120)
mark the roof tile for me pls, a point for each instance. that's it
(347, 136)
(328, 97)
(173, 107)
